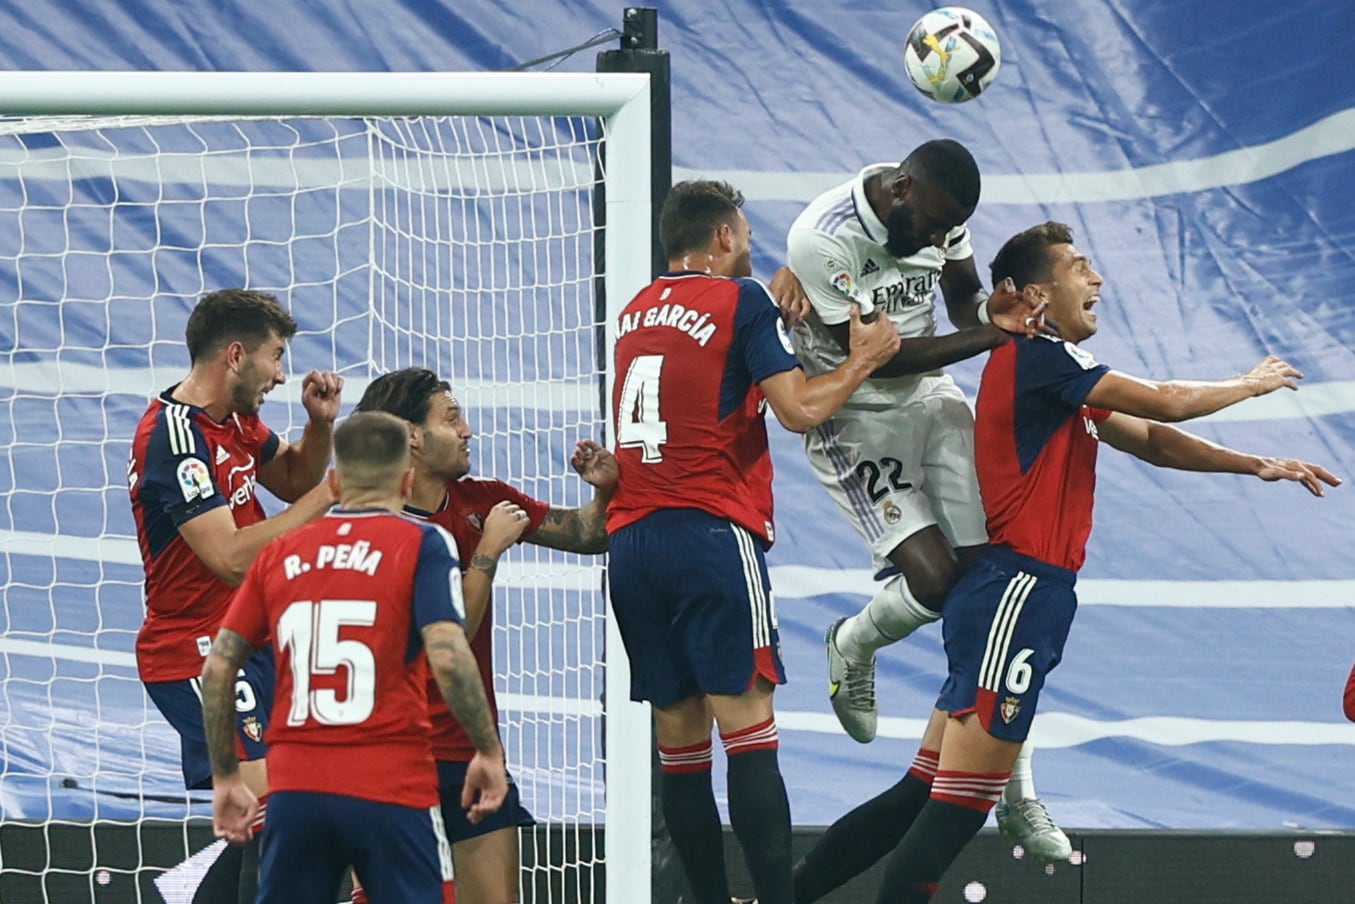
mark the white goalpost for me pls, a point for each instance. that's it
(443, 220)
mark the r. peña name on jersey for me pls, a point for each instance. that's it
(357, 556)
(694, 323)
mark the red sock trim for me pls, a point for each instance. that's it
(761, 736)
(925, 765)
(693, 758)
(975, 790)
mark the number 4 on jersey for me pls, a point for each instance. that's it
(638, 421)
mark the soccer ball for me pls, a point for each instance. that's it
(952, 54)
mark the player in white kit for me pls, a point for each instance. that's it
(898, 458)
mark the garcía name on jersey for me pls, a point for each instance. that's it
(692, 322)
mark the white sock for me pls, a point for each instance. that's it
(1021, 785)
(892, 614)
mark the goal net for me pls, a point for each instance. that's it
(401, 229)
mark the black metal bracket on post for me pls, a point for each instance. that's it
(639, 52)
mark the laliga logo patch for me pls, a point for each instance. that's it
(843, 282)
(194, 480)
(1009, 709)
(785, 339)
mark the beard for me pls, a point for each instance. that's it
(900, 241)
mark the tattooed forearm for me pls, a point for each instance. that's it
(218, 699)
(487, 564)
(458, 679)
(581, 530)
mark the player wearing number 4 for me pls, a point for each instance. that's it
(699, 354)
(1044, 407)
(486, 517)
(352, 604)
(198, 452)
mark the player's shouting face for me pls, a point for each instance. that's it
(1073, 289)
(257, 373)
(443, 444)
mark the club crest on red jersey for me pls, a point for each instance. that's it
(252, 729)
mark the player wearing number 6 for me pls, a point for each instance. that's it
(699, 354)
(352, 605)
(1044, 408)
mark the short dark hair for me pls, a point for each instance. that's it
(948, 166)
(371, 450)
(406, 393)
(693, 211)
(1025, 257)
(235, 315)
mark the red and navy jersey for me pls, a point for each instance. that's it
(462, 514)
(183, 464)
(343, 601)
(690, 352)
(1035, 448)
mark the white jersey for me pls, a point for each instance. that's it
(836, 249)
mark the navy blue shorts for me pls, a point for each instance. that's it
(180, 702)
(1004, 625)
(694, 606)
(400, 852)
(451, 779)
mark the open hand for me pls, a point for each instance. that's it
(1272, 374)
(1016, 312)
(1311, 476)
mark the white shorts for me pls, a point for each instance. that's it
(898, 470)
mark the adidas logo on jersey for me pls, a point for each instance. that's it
(869, 268)
(221, 454)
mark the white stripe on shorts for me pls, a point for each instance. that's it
(757, 597)
(1000, 632)
(444, 849)
(850, 483)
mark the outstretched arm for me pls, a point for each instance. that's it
(1170, 447)
(1181, 400)
(582, 529)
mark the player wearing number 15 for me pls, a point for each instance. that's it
(348, 602)
(699, 353)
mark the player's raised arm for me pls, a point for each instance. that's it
(503, 526)
(298, 467)
(802, 403)
(228, 550)
(582, 529)
(1181, 400)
